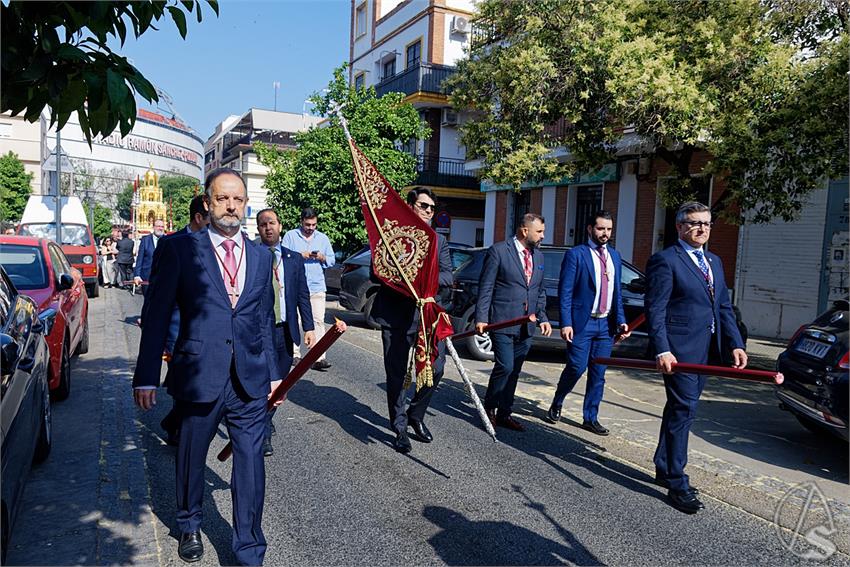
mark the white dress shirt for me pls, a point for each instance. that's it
(690, 250)
(238, 251)
(520, 250)
(278, 271)
(597, 275)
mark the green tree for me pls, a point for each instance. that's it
(760, 84)
(124, 203)
(15, 187)
(319, 172)
(55, 54)
(101, 220)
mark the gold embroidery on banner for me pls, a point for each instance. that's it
(410, 247)
(373, 188)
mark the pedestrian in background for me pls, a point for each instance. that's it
(124, 259)
(144, 257)
(511, 286)
(107, 261)
(399, 320)
(315, 247)
(690, 320)
(591, 308)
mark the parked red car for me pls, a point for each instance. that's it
(39, 269)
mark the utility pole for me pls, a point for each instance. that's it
(276, 86)
(58, 187)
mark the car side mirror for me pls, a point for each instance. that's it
(638, 285)
(9, 352)
(66, 281)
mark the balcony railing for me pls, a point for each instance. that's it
(424, 77)
(444, 172)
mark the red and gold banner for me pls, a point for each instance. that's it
(404, 257)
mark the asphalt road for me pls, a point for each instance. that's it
(337, 494)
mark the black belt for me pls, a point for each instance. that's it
(281, 324)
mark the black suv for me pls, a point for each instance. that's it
(632, 284)
(357, 290)
(465, 296)
(816, 366)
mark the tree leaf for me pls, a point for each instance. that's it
(179, 20)
(71, 53)
(116, 88)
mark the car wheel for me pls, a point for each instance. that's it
(63, 390)
(92, 290)
(83, 347)
(367, 313)
(480, 347)
(45, 436)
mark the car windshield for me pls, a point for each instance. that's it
(471, 268)
(24, 265)
(459, 257)
(74, 234)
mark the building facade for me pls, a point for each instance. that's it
(232, 145)
(24, 139)
(411, 47)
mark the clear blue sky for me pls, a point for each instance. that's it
(228, 64)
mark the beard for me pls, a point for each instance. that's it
(225, 223)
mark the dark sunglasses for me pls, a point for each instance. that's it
(426, 206)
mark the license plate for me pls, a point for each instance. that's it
(812, 348)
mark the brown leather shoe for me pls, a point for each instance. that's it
(491, 415)
(509, 423)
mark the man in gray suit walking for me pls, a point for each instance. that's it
(511, 286)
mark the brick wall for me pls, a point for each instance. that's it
(610, 198)
(536, 203)
(560, 224)
(501, 216)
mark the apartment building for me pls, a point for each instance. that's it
(411, 47)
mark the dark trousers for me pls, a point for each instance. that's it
(245, 418)
(683, 392)
(285, 347)
(125, 274)
(593, 341)
(510, 352)
(397, 345)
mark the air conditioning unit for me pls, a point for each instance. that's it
(460, 25)
(449, 117)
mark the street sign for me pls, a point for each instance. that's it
(50, 163)
(443, 220)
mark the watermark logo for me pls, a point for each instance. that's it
(810, 536)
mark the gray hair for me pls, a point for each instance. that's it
(215, 174)
(690, 207)
(528, 218)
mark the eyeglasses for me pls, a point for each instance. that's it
(426, 206)
(698, 224)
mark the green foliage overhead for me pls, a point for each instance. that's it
(760, 84)
(176, 189)
(319, 172)
(101, 220)
(55, 54)
(15, 187)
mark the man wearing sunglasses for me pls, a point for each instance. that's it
(399, 320)
(690, 320)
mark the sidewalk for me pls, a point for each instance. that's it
(88, 503)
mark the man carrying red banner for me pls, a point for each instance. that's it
(399, 319)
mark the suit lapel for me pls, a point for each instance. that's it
(587, 256)
(685, 257)
(204, 251)
(513, 253)
(252, 258)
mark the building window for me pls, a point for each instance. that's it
(414, 52)
(360, 81)
(360, 20)
(389, 69)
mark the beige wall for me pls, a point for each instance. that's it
(23, 138)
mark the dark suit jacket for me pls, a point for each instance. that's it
(297, 293)
(125, 251)
(679, 307)
(503, 292)
(144, 259)
(396, 311)
(577, 289)
(212, 334)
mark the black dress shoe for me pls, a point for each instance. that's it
(685, 501)
(321, 365)
(268, 450)
(509, 422)
(420, 432)
(191, 547)
(595, 427)
(554, 413)
(402, 443)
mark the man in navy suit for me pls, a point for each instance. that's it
(511, 286)
(223, 361)
(294, 298)
(144, 259)
(591, 316)
(690, 320)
